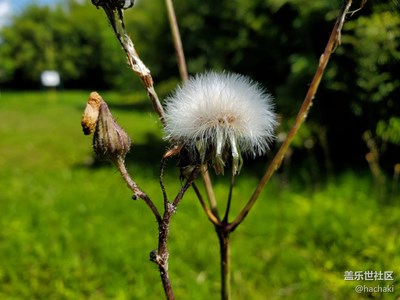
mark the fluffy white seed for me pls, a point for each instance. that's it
(221, 111)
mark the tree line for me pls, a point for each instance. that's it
(275, 42)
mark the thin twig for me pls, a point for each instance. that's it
(185, 187)
(137, 192)
(165, 196)
(208, 212)
(134, 60)
(209, 191)
(358, 9)
(161, 257)
(228, 204)
(333, 41)
(180, 55)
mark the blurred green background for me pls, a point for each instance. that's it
(68, 229)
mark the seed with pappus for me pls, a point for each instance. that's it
(217, 117)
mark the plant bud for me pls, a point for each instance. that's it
(110, 141)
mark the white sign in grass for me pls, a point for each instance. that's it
(50, 78)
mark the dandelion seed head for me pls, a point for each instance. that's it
(222, 112)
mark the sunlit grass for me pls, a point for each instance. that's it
(71, 231)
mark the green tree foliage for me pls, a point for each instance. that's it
(372, 80)
(277, 42)
(72, 39)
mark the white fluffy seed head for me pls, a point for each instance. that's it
(218, 110)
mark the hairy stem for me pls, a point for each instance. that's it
(333, 41)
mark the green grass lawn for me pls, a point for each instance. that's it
(69, 230)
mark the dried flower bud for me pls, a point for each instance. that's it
(110, 141)
(91, 114)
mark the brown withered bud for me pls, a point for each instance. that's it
(91, 113)
(110, 141)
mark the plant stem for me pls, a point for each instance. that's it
(137, 192)
(209, 191)
(208, 212)
(333, 41)
(184, 76)
(134, 60)
(224, 246)
(180, 55)
(228, 204)
(162, 256)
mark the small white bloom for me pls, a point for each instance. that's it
(217, 115)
